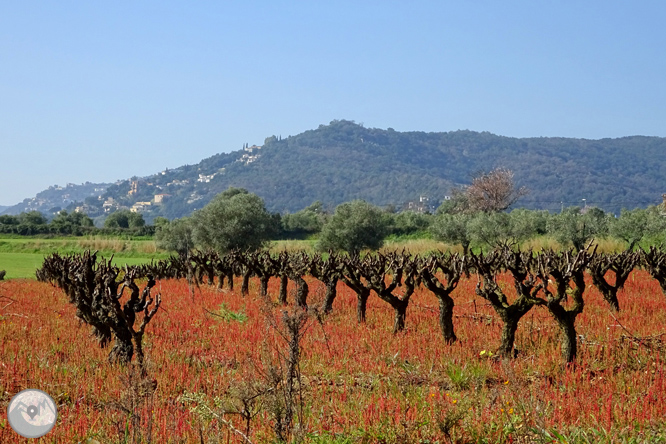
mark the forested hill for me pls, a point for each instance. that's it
(344, 161)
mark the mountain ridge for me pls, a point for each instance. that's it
(344, 160)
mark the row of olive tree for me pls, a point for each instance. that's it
(237, 219)
(572, 227)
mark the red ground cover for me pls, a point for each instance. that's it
(361, 382)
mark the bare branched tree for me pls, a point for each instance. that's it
(492, 192)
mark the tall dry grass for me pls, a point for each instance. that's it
(117, 245)
(102, 244)
(424, 246)
(541, 243)
(610, 245)
(292, 246)
(607, 245)
(419, 246)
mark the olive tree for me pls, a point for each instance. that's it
(573, 226)
(175, 236)
(307, 221)
(528, 224)
(492, 230)
(234, 220)
(354, 226)
(409, 222)
(632, 226)
(452, 228)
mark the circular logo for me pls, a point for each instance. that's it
(32, 413)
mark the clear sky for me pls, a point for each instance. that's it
(101, 91)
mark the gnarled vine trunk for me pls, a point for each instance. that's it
(282, 295)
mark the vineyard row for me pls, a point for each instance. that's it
(554, 280)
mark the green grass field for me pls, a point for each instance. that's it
(24, 265)
(20, 265)
(20, 257)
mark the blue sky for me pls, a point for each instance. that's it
(100, 91)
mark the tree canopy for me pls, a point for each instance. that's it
(175, 236)
(234, 219)
(488, 193)
(71, 223)
(309, 220)
(355, 226)
(575, 226)
(124, 219)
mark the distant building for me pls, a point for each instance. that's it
(178, 182)
(134, 187)
(159, 198)
(205, 178)
(140, 206)
(193, 198)
(109, 204)
(248, 159)
(420, 206)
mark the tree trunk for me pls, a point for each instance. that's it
(263, 280)
(282, 297)
(220, 281)
(400, 315)
(362, 304)
(138, 341)
(301, 292)
(331, 293)
(230, 280)
(569, 337)
(566, 321)
(103, 334)
(508, 336)
(446, 319)
(123, 349)
(609, 292)
(610, 295)
(198, 275)
(245, 287)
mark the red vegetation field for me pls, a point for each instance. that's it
(361, 383)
